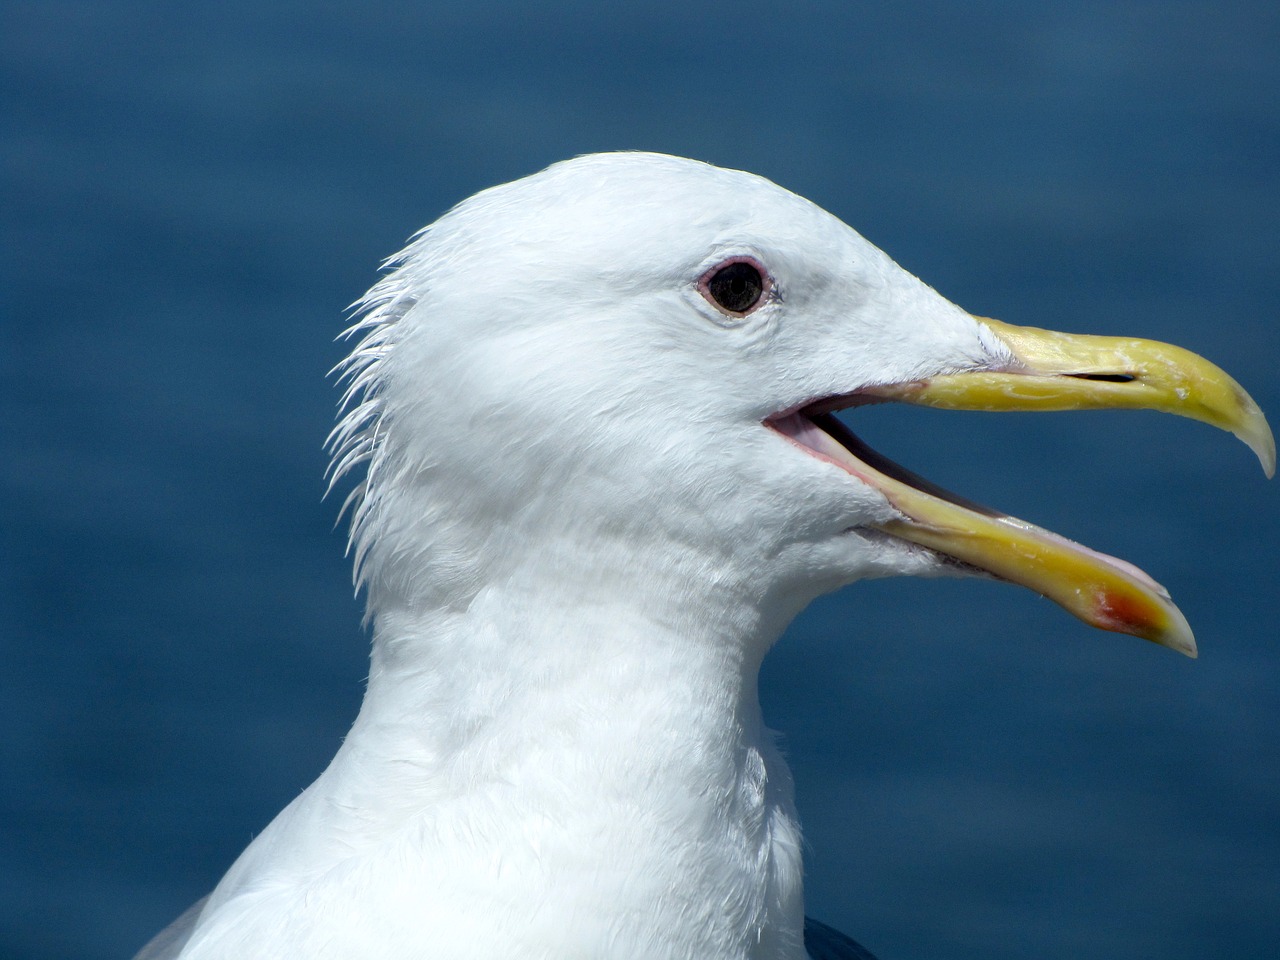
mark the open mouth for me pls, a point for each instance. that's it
(1102, 590)
(1054, 372)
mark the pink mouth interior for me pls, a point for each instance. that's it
(825, 437)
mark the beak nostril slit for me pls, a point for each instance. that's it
(1104, 377)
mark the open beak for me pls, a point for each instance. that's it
(1050, 371)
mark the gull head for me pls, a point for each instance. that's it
(624, 371)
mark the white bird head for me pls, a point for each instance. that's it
(633, 349)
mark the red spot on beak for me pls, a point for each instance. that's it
(1127, 613)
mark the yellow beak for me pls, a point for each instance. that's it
(1057, 371)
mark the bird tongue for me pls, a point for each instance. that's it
(1102, 591)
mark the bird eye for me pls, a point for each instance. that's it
(736, 287)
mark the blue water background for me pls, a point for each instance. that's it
(193, 193)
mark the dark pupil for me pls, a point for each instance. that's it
(737, 287)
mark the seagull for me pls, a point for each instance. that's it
(592, 415)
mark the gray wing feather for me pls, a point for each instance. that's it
(168, 943)
(823, 943)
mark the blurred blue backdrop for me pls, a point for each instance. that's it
(193, 194)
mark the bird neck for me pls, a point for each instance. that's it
(589, 735)
(553, 673)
